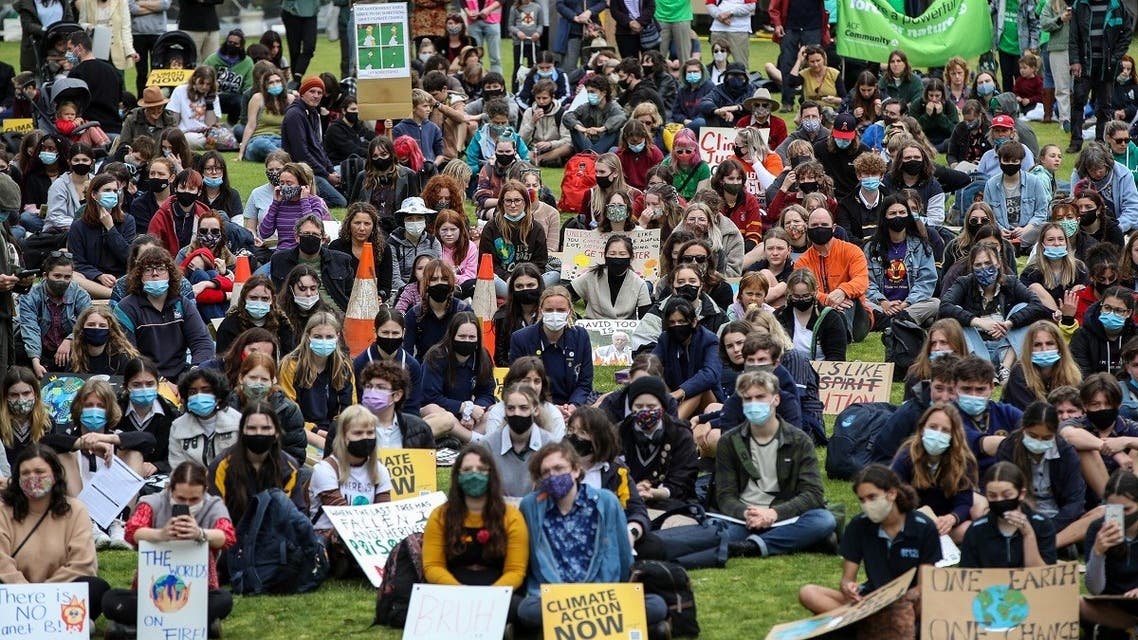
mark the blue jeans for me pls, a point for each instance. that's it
(811, 528)
(695, 125)
(602, 144)
(997, 348)
(260, 147)
(332, 197)
(31, 222)
(489, 37)
(529, 611)
(549, 279)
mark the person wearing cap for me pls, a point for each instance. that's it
(759, 109)
(723, 105)
(234, 73)
(149, 118)
(303, 139)
(9, 267)
(336, 272)
(575, 14)
(658, 447)
(838, 152)
(1003, 131)
(595, 125)
(694, 87)
(412, 237)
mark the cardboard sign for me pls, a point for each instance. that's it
(59, 391)
(442, 612)
(57, 611)
(168, 77)
(381, 41)
(1038, 602)
(173, 589)
(585, 248)
(593, 611)
(18, 125)
(824, 623)
(717, 144)
(500, 380)
(841, 384)
(371, 531)
(412, 471)
(611, 342)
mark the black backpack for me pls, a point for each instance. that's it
(855, 429)
(903, 341)
(277, 550)
(671, 582)
(404, 568)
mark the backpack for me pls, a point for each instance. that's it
(903, 341)
(696, 546)
(580, 176)
(277, 550)
(404, 567)
(671, 582)
(855, 429)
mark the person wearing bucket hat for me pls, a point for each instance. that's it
(413, 236)
(759, 110)
(149, 118)
(724, 104)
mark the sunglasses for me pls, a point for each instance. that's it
(683, 152)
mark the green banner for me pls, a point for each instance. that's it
(871, 29)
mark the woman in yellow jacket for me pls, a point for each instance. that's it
(115, 16)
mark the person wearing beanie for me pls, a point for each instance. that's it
(211, 288)
(724, 104)
(303, 139)
(9, 267)
(658, 448)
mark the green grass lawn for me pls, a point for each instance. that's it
(751, 594)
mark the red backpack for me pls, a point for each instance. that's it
(580, 176)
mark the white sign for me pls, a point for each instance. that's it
(584, 248)
(110, 490)
(45, 611)
(443, 612)
(717, 144)
(371, 531)
(173, 589)
(382, 49)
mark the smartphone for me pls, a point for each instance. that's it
(180, 510)
(1114, 513)
(29, 273)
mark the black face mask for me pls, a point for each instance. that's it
(351, 117)
(361, 448)
(797, 160)
(96, 337)
(257, 444)
(465, 349)
(309, 245)
(912, 167)
(807, 187)
(617, 266)
(820, 235)
(519, 424)
(504, 159)
(974, 225)
(1102, 419)
(1088, 218)
(527, 296)
(388, 345)
(997, 508)
(81, 168)
(1009, 169)
(439, 291)
(681, 332)
(688, 292)
(584, 447)
(604, 182)
(740, 151)
(1101, 287)
(157, 184)
(803, 304)
(383, 164)
(897, 224)
(490, 94)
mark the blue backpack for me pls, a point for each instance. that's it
(851, 447)
(277, 549)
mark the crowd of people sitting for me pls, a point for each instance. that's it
(1014, 337)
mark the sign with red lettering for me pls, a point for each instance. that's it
(443, 612)
(841, 384)
(1034, 602)
(716, 144)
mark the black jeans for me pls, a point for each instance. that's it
(301, 35)
(1103, 89)
(1009, 70)
(143, 43)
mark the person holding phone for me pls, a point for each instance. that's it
(1112, 561)
(1012, 534)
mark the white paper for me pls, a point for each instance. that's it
(441, 612)
(109, 492)
(949, 553)
(173, 589)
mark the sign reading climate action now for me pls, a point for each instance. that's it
(593, 611)
(871, 29)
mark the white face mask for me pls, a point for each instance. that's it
(719, 56)
(306, 302)
(877, 510)
(416, 228)
(555, 320)
(195, 509)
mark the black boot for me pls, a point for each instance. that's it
(743, 549)
(660, 631)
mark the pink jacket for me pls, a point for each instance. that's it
(468, 270)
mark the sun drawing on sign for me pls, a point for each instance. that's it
(169, 593)
(73, 613)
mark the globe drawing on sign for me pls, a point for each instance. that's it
(1000, 608)
(169, 593)
(58, 394)
(805, 627)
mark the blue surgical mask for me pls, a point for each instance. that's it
(212, 182)
(933, 355)
(997, 142)
(72, 58)
(985, 88)
(257, 308)
(637, 148)
(156, 287)
(545, 74)
(108, 199)
(1045, 358)
(987, 276)
(202, 404)
(871, 184)
(48, 157)
(93, 418)
(275, 89)
(144, 396)
(1111, 322)
(514, 217)
(1054, 253)
(935, 442)
(1037, 446)
(323, 347)
(972, 405)
(757, 412)
(593, 98)
(693, 78)
(842, 144)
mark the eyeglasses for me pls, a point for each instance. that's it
(683, 152)
(1118, 311)
(513, 200)
(154, 270)
(59, 253)
(1120, 140)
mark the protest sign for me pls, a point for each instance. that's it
(824, 623)
(168, 77)
(173, 589)
(500, 380)
(872, 29)
(717, 144)
(585, 248)
(59, 389)
(412, 471)
(18, 125)
(383, 59)
(110, 490)
(593, 611)
(611, 341)
(841, 384)
(1036, 602)
(371, 531)
(57, 611)
(443, 612)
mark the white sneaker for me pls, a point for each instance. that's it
(102, 540)
(117, 537)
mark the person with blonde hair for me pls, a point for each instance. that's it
(1049, 366)
(317, 375)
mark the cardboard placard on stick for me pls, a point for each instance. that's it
(443, 612)
(383, 60)
(844, 616)
(593, 611)
(841, 384)
(1036, 602)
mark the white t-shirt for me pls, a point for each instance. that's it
(358, 490)
(192, 112)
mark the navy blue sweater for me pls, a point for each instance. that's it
(420, 336)
(414, 399)
(568, 362)
(702, 369)
(98, 250)
(467, 384)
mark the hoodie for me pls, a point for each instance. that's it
(1092, 350)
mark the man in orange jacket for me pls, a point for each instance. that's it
(840, 268)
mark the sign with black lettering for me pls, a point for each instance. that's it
(412, 471)
(841, 384)
(593, 612)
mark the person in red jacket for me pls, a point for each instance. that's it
(741, 206)
(211, 284)
(637, 154)
(760, 115)
(176, 220)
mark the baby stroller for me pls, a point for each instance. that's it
(66, 90)
(171, 45)
(48, 52)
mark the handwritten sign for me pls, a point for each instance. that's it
(585, 248)
(371, 531)
(841, 384)
(173, 589)
(45, 611)
(412, 471)
(1037, 602)
(442, 612)
(18, 125)
(59, 391)
(844, 616)
(717, 144)
(593, 611)
(168, 77)
(610, 340)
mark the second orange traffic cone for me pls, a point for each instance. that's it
(240, 275)
(359, 317)
(485, 302)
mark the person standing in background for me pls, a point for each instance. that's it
(299, 18)
(1056, 21)
(1015, 31)
(147, 22)
(731, 20)
(675, 18)
(797, 23)
(1100, 35)
(483, 19)
(198, 18)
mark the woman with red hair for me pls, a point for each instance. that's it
(459, 251)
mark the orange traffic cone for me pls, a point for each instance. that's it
(485, 301)
(240, 275)
(359, 317)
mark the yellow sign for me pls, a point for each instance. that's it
(593, 611)
(500, 379)
(168, 77)
(18, 125)
(412, 471)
